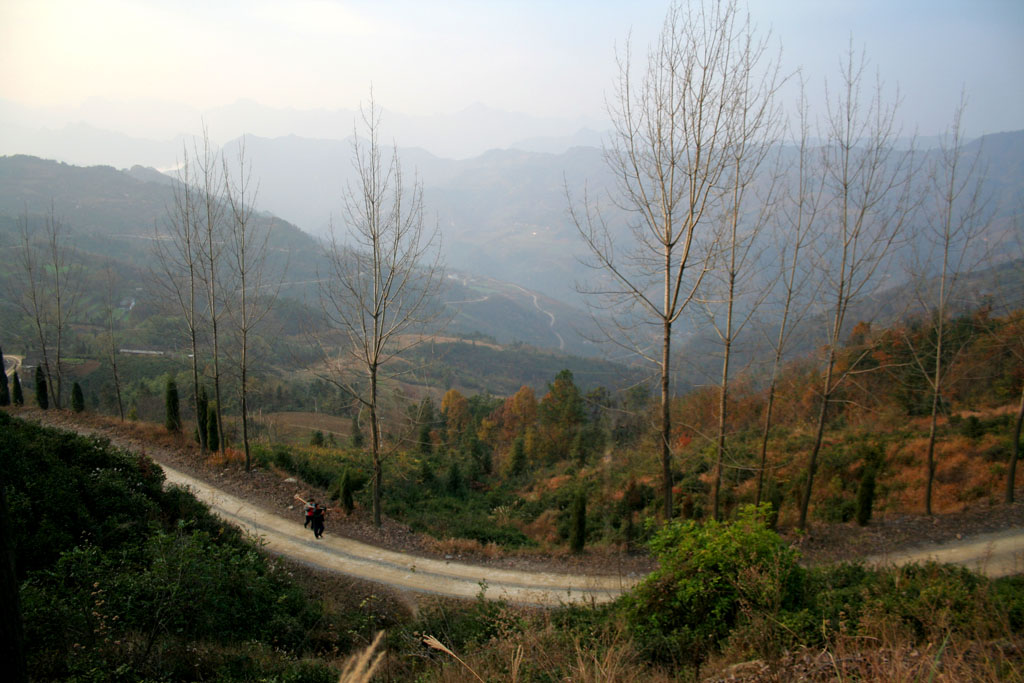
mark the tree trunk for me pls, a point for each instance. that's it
(722, 400)
(1014, 451)
(812, 461)
(245, 400)
(764, 441)
(375, 448)
(931, 454)
(666, 421)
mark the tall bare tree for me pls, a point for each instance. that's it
(1015, 347)
(108, 306)
(867, 183)
(254, 295)
(179, 250)
(384, 271)
(795, 230)
(50, 291)
(955, 215)
(737, 282)
(676, 130)
(210, 223)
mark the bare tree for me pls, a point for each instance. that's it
(381, 281)
(736, 272)
(795, 232)
(956, 215)
(248, 246)
(1015, 347)
(179, 252)
(50, 292)
(867, 183)
(108, 305)
(675, 134)
(210, 225)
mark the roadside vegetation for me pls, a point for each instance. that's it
(119, 579)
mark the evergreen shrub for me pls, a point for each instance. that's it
(709, 576)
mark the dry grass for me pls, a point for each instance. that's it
(228, 456)
(542, 651)
(462, 546)
(360, 668)
(963, 475)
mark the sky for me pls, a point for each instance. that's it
(551, 58)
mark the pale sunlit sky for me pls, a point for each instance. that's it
(551, 58)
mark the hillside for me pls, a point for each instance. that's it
(111, 216)
(106, 601)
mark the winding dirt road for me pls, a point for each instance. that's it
(399, 570)
(995, 554)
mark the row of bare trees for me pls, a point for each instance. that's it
(382, 271)
(722, 217)
(50, 289)
(212, 252)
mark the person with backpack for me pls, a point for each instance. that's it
(310, 506)
(319, 515)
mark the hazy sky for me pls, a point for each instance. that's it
(544, 58)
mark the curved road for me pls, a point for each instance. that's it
(995, 554)
(399, 570)
(1000, 553)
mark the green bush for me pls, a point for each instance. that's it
(972, 427)
(710, 575)
(1008, 594)
(123, 580)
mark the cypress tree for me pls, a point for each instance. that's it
(5, 392)
(578, 528)
(347, 486)
(172, 408)
(202, 416)
(77, 399)
(17, 397)
(873, 457)
(212, 435)
(517, 465)
(356, 434)
(426, 445)
(866, 495)
(454, 482)
(42, 399)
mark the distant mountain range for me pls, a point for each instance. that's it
(503, 215)
(150, 133)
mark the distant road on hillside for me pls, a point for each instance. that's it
(549, 314)
(11, 364)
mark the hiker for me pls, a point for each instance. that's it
(310, 506)
(319, 514)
